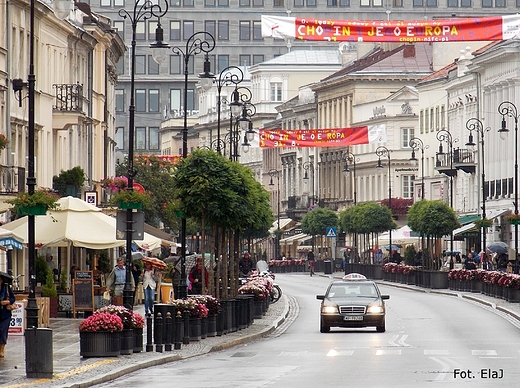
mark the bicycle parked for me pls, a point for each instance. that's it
(275, 292)
(16, 282)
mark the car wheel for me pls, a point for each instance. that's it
(381, 328)
(324, 328)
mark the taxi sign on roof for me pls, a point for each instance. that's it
(354, 276)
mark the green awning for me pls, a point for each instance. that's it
(469, 218)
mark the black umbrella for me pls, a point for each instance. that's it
(498, 247)
(6, 277)
(395, 247)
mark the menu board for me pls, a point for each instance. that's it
(82, 292)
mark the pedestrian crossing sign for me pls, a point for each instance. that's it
(331, 232)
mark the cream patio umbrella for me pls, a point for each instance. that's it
(79, 224)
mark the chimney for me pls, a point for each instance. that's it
(409, 51)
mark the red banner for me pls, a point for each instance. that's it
(330, 137)
(448, 30)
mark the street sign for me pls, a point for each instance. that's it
(331, 232)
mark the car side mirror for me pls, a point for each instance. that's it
(385, 297)
(320, 297)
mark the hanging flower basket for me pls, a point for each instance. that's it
(130, 199)
(37, 210)
(483, 223)
(34, 204)
(513, 219)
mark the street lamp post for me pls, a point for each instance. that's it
(275, 173)
(141, 12)
(231, 75)
(509, 109)
(417, 144)
(382, 151)
(445, 136)
(310, 166)
(350, 158)
(197, 43)
(475, 125)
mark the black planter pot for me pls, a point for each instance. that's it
(438, 279)
(212, 325)
(99, 344)
(195, 329)
(259, 309)
(138, 340)
(127, 341)
(203, 327)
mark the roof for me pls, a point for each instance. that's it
(307, 57)
(408, 58)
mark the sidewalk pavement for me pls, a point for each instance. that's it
(71, 370)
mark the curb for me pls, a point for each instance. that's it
(448, 292)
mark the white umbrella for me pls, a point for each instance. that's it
(76, 223)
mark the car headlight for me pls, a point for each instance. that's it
(375, 309)
(329, 309)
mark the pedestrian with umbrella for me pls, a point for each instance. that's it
(149, 276)
(7, 301)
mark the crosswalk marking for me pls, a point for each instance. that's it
(483, 353)
(388, 352)
(436, 352)
(334, 353)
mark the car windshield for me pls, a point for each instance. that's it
(352, 290)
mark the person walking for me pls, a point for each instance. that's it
(195, 277)
(136, 273)
(175, 276)
(7, 301)
(116, 280)
(245, 264)
(149, 277)
(311, 260)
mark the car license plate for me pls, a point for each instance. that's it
(353, 318)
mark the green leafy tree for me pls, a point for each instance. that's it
(156, 176)
(365, 219)
(318, 220)
(223, 194)
(432, 219)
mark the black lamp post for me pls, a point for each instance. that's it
(197, 43)
(475, 125)
(382, 151)
(417, 144)
(445, 136)
(507, 108)
(310, 166)
(231, 75)
(142, 11)
(275, 173)
(350, 158)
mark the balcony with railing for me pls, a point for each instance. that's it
(12, 179)
(68, 107)
(464, 159)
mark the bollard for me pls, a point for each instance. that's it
(179, 331)
(168, 332)
(38, 351)
(149, 339)
(158, 333)
(186, 321)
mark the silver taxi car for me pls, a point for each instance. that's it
(353, 301)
